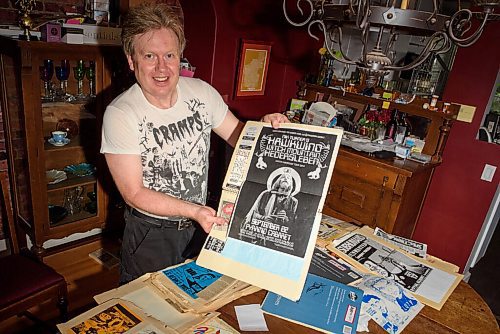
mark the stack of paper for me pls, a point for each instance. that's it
(192, 288)
(178, 299)
(430, 282)
(332, 228)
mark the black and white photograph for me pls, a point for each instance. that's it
(287, 171)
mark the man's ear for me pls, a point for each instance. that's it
(130, 62)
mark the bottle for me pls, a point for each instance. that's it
(392, 125)
(403, 129)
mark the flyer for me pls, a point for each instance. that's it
(275, 186)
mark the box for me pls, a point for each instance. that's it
(93, 34)
(72, 35)
(51, 32)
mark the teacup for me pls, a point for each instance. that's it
(58, 136)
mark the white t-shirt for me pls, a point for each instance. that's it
(173, 143)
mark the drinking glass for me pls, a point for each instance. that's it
(62, 74)
(46, 73)
(79, 74)
(91, 76)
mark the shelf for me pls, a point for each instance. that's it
(414, 108)
(75, 142)
(71, 182)
(77, 217)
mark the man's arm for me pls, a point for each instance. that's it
(126, 170)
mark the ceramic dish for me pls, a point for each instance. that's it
(65, 141)
(57, 213)
(83, 169)
(55, 176)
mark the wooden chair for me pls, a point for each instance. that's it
(26, 282)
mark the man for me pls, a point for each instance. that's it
(155, 134)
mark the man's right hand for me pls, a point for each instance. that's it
(207, 217)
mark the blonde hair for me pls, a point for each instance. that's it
(147, 17)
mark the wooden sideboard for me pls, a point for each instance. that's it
(385, 193)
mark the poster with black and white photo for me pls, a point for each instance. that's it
(281, 177)
(278, 202)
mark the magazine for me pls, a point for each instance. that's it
(273, 195)
(327, 265)
(115, 316)
(430, 284)
(324, 305)
(388, 304)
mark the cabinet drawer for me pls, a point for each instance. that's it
(363, 201)
(366, 171)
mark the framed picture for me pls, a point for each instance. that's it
(252, 69)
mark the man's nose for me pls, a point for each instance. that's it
(161, 64)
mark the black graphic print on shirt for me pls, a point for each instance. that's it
(175, 155)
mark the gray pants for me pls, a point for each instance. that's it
(150, 247)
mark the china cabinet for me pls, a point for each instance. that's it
(58, 187)
(387, 193)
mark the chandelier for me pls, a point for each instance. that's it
(388, 21)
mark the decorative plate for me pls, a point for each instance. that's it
(55, 176)
(69, 126)
(83, 169)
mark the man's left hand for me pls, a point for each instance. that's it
(275, 119)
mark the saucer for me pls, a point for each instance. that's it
(57, 143)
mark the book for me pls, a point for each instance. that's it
(324, 305)
(104, 257)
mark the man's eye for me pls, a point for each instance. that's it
(148, 56)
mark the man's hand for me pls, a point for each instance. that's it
(206, 217)
(275, 119)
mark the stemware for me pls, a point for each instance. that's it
(79, 74)
(91, 76)
(46, 73)
(62, 74)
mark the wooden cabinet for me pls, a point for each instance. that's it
(29, 122)
(387, 193)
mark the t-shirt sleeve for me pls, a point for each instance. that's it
(220, 108)
(118, 132)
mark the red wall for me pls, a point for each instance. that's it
(293, 52)
(458, 200)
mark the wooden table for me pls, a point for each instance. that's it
(464, 312)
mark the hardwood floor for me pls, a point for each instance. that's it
(85, 277)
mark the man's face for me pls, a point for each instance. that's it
(156, 62)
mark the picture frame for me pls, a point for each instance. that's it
(252, 68)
